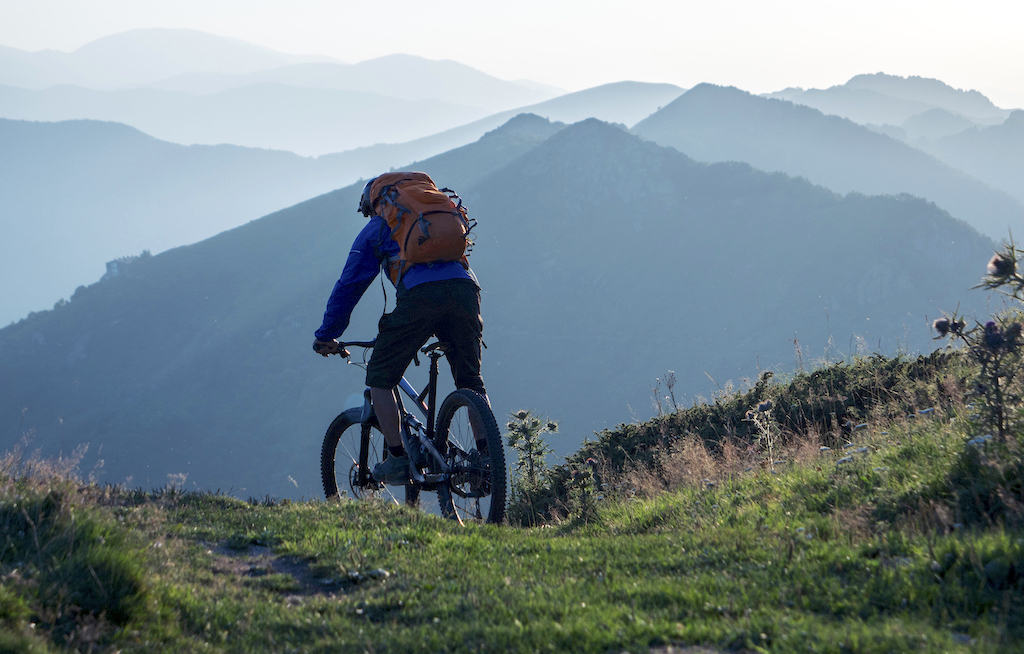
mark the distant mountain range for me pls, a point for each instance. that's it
(140, 56)
(712, 123)
(961, 128)
(86, 192)
(994, 154)
(620, 102)
(882, 99)
(399, 76)
(933, 124)
(80, 193)
(304, 120)
(189, 87)
(605, 260)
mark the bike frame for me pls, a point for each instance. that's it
(410, 427)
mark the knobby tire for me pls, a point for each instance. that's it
(477, 489)
(344, 438)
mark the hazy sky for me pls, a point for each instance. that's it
(757, 45)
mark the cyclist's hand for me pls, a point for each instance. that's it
(327, 348)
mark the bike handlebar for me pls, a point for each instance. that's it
(430, 347)
(366, 344)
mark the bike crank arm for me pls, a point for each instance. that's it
(432, 451)
(414, 472)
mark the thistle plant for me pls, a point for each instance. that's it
(531, 493)
(994, 346)
(524, 435)
(582, 487)
(1004, 272)
(670, 383)
(762, 419)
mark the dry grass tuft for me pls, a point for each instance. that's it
(691, 463)
(688, 463)
(638, 481)
(803, 449)
(34, 471)
(855, 523)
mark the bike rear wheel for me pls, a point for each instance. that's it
(340, 456)
(477, 487)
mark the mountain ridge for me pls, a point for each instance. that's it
(936, 92)
(306, 121)
(713, 123)
(881, 99)
(86, 192)
(142, 55)
(994, 154)
(408, 77)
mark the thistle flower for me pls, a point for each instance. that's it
(522, 415)
(993, 337)
(941, 325)
(1001, 266)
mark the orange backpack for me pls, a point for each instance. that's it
(429, 224)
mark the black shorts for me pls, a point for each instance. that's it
(448, 309)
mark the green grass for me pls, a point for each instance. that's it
(879, 553)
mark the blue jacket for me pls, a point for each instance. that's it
(371, 248)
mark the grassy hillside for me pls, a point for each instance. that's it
(903, 537)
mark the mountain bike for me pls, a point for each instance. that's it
(460, 456)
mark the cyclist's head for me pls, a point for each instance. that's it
(365, 204)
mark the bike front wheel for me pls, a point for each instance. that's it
(350, 451)
(469, 436)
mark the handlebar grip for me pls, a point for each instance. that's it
(359, 343)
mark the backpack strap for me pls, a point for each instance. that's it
(389, 194)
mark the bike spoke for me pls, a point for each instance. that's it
(340, 456)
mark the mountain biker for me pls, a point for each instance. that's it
(441, 298)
